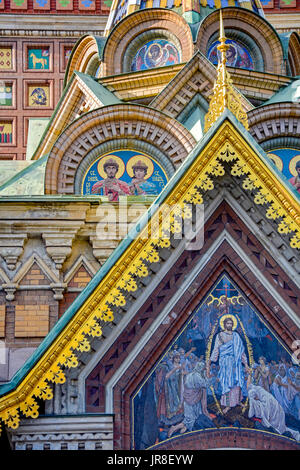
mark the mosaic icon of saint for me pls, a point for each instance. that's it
(139, 185)
(236, 56)
(158, 55)
(230, 352)
(111, 185)
(155, 54)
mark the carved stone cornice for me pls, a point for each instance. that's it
(58, 242)
(284, 22)
(65, 433)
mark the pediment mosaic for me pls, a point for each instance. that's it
(226, 368)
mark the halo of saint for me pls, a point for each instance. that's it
(114, 159)
(277, 160)
(294, 164)
(140, 161)
(225, 317)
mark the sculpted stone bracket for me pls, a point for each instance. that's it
(59, 245)
(10, 289)
(102, 248)
(227, 149)
(11, 248)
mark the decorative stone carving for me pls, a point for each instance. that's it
(58, 290)
(65, 433)
(59, 244)
(102, 248)
(10, 290)
(11, 248)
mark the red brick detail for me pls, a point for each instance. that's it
(2, 320)
(21, 77)
(68, 299)
(31, 320)
(80, 279)
(34, 277)
(277, 6)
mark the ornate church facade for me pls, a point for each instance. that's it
(149, 250)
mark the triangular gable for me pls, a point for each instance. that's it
(80, 274)
(82, 94)
(226, 147)
(35, 269)
(193, 116)
(196, 77)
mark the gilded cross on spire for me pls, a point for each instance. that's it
(224, 95)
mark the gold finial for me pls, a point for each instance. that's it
(224, 95)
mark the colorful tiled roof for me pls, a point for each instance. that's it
(192, 10)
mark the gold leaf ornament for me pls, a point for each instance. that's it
(30, 408)
(95, 329)
(11, 418)
(128, 283)
(295, 241)
(81, 344)
(228, 154)
(55, 374)
(150, 254)
(238, 169)
(104, 313)
(68, 359)
(115, 297)
(216, 169)
(224, 94)
(260, 199)
(139, 269)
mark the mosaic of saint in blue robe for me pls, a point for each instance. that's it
(225, 368)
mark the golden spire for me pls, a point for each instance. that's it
(224, 95)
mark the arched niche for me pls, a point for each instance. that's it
(276, 128)
(85, 56)
(129, 157)
(137, 29)
(248, 29)
(109, 128)
(294, 55)
(190, 389)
